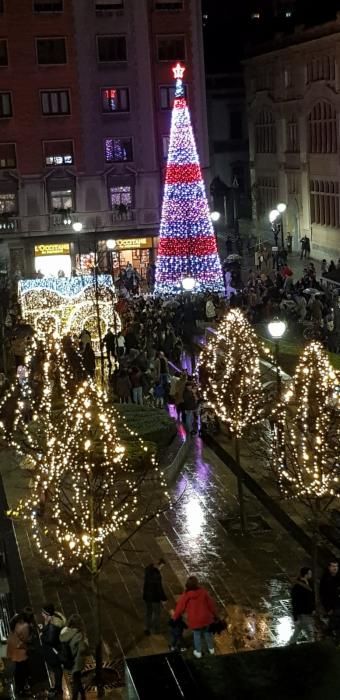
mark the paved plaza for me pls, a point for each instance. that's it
(249, 576)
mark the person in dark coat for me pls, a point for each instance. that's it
(330, 588)
(303, 604)
(89, 360)
(50, 642)
(153, 596)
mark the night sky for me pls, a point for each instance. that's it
(229, 33)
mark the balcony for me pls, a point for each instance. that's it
(9, 223)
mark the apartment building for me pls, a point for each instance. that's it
(86, 91)
(293, 97)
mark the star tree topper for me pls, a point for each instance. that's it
(178, 71)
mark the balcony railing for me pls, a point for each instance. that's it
(9, 223)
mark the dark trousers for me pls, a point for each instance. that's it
(152, 616)
(77, 686)
(21, 673)
(55, 666)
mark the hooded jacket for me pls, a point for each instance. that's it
(78, 646)
(198, 606)
(303, 600)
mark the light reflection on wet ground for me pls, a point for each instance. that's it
(249, 576)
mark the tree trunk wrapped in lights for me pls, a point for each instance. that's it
(87, 490)
(233, 388)
(307, 454)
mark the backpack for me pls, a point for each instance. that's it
(65, 656)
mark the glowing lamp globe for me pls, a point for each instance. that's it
(273, 215)
(277, 328)
(215, 216)
(188, 284)
(281, 207)
(77, 226)
(111, 244)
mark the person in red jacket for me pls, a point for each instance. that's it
(199, 608)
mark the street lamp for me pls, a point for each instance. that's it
(77, 228)
(188, 284)
(273, 215)
(277, 329)
(215, 216)
(282, 207)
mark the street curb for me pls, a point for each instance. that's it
(303, 539)
(172, 469)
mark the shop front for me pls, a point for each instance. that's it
(53, 260)
(139, 252)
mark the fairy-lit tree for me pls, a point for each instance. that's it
(306, 449)
(87, 489)
(233, 388)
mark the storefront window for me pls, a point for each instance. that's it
(8, 204)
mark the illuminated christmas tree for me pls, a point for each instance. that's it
(187, 245)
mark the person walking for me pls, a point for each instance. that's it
(153, 596)
(17, 650)
(73, 652)
(53, 622)
(123, 386)
(189, 407)
(200, 612)
(303, 604)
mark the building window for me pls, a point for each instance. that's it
(167, 95)
(265, 133)
(3, 52)
(48, 5)
(322, 129)
(321, 68)
(8, 204)
(325, 203)
(115, 100)
(55, 102)
(235, 126)
(165, 146)
(171, 48)
(121, 201)
(62, 200)
(238, 180)
(51, 51)
(118, 150)
(267, 194)
(109, 5)
(287, 77)
(293, 183)
(58, 153)
(168, 4)
(5, 104)
(111, 48)
(7, 155)
(264, 78)
(293, 142)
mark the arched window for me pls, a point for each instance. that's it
(293, 141)
(322, 129)
(321, 67)
(265, 133)
(325, 203)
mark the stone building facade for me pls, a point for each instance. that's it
(86, 92)
(293, 99)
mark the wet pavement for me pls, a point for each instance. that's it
(249, 576)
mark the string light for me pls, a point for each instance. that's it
(231, 363)
(187, 244)
(85, 487)
(307, 454)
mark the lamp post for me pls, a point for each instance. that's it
(276, 330)
(215, 216)
(77, 228)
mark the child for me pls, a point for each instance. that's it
(177, 628)
(159, 393)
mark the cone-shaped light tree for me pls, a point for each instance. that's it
(87, 490)
(233, 387)
(307, 454)
(187, 244)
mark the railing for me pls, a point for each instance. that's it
(9, 223)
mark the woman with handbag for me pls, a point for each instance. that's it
(200, 611)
